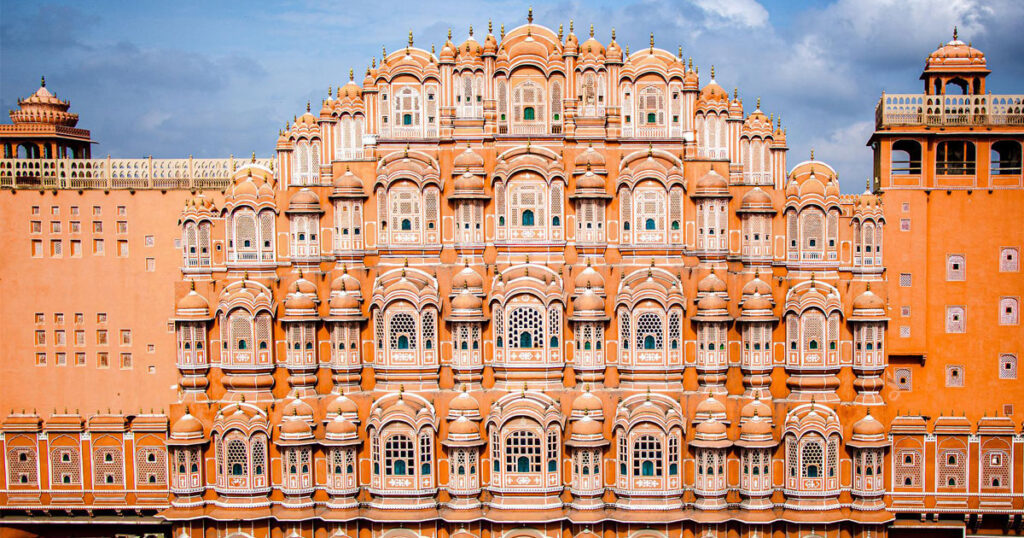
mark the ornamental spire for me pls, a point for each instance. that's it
(351, 74)
(42, 79)
(652, 42)
(954, 33)
(591, 29)
(410, 37)
(529, 15)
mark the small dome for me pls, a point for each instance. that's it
(812, 186)
(756, 199)
(711, 284)
(467, 301)
(756, 407)
(468, 159)
(757, 302)
(341, 426)
(296, 427)
(342, 404)
(463, 426)
(299, 301)
(588, 302)
(712, 302)
(868, 301)
(464, 402)
(588, 403)
(832, 188)
(348, 180)
(469, 182)
(756, 426)
(194, 301)
(710, 406)
(344, 301)
(587, 426)
(589, 278)
(711, 428)
(868, 426)
(345, 282)
(467, 278)
(187, 425)
(757, 286)
(712, 183)
(297, 408)
(713, 92)
(350, 91)
(301, 285)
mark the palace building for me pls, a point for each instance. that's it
(527, 286)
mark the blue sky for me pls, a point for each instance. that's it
(208, 79)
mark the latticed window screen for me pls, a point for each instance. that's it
(813, 325)
(499, 200)
(811, 460)
(553, 450)
(65, 466)
(1009, 259)
(264, 336)
(499, 326)
(405, 209)
(522, 452)
(675, 209)
(429, 329)
(526, 197)
(378, 328)
(907, 468)
(952, 468)
(237, 459)
(995, 469)
(151, 466)
(833, 330)
(556, 100)
(525, 327)
(955, 319)
(649, 331)
(554, 327)
(502, 99)
(1008, 311)
(1007, 366)
(241, 331)
(650, 210)
(651, 105)
(956, 267)
(624, 328)
(108, 466)
(812, 229)
(954, 375)
(903, 378)
(792, 330)
(407, 107)
(402, 332)
(833, 457)
(259, 456)
(426, 453)
(399, 454)
(647, 456)
(556, 203)
(527, 96)
(245, 230)
(21, 466)
(673, 454)
(431, 208)
(382, 207)
(204, 243)
(674, 330)
(267, 230)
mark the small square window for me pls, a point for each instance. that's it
(126, 360)
(40, 338)
(122, 227)
(76, 227)
(101, 317)
(55, 211)
(97, 227)
(121, 211)
(59, 338)
(905, 311)
(151, 348)
(79, 318)
(40, 318)
(36, 227)
(58, 318)
(37, 248)
(150, 240)
(905, 331)
(906, 280)
(97, 210)
(61, 359)
(74, 211)
(126, 337)
(903, 378)
(102, 360)
(40, 359)
(79, 338)
(150, 265)
(56, 248)
(122, 249)
(35, 210)
(906, 207)
(101, 337)
(97, 247)
(80, 359)
(1009, 260)
(904, 225)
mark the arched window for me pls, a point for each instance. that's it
(528, 102)
(811, 457)
(1006, 158)
(906, 157)
(650, 225)
(522, 452)
(529, 114)
(525, 327)
(403, 331)
(649, 331)
(955, 157)
(527, 219)
(398, 455)
(647, 456)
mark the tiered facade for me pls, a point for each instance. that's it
(524, 287)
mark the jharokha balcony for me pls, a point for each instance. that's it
(148, 173)
(949, 110)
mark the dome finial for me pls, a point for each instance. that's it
(307, 106)
(712, 72)
(652, 42)
(503, 30)
(591, 29)
(410, 37)
(42, 81)
(759, 103)
(679, 52)
(560, 35)
(490, 27)
(529, 15)
(955, 34)
(351, 74)
(613, 33)
(449, 34)
(572, 23)
(812, 154)
(470, 30)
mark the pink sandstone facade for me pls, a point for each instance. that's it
(529, 287)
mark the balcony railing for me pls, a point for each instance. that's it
(950, 110)
(120, 173)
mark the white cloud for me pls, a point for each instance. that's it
(844, 149)
(748, 13)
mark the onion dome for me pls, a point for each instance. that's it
(301, 302)
(757, 286)
(343, 301)
(348, 185)
(691, 81)
(868, 432)
(44, 107)
(589, 157)
(192, 306)
(589, 278)
(756, 200)
(712, 308)
(711, 284)
(832, 188)
(710, 434)
(956, 56)
(587, 431)
(340, 431)
(756, 407)
(346, 282)
(464, 405)
(591, 49)
(868, 306)
(350, 91)
(467, 301)
(468, 186)
(295, 431)
(344, 406)
(708, 408)
(756, 432)
(587, 404)
(614, 52)
(490, 43)
(468, 159)
(463, 432)
(587, 306)
(712, 92)
(757, 308)
(187, 428)
(298, 409)
(590, 181)
(712, 185)
(469, 50)
(447, 50)
(792, 188)
(587, 426)
(468, 278)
